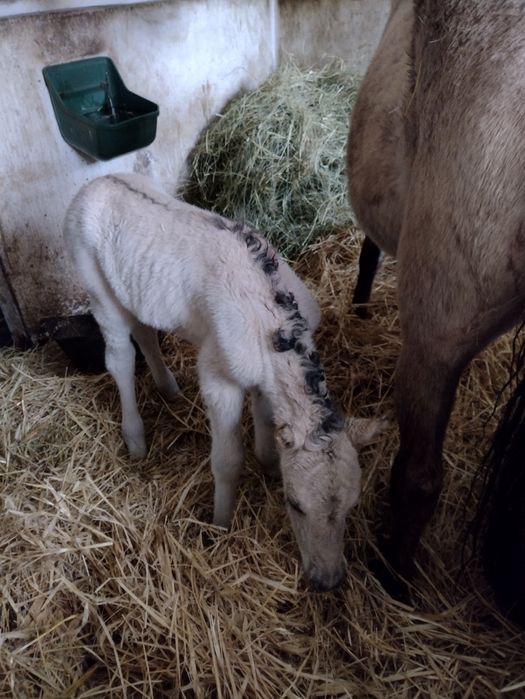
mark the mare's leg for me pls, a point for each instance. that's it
(368, 263)
(426, 381)
(442, 331)
(224, 401)
(445, 322)
(264, 427)
(148, 341)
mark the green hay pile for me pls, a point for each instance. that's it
(276, 156)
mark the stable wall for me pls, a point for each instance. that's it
(317, 31)
(189, 56)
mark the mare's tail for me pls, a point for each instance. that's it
(502, 504)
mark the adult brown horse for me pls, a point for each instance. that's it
(436, 168)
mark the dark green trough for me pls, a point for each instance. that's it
(95, 111)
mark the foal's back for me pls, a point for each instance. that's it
(172, 265)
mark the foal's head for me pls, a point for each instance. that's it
(321, 480)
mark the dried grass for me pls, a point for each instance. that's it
(275, 156)
(113, 584)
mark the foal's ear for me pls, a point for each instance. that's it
(362, 430)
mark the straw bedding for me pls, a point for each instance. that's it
(112, 581)
(114, 584)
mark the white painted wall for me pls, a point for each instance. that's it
(317, 31)
(11, 8)
(189, 56)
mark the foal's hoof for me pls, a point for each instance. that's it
(223, 520)
(271, 470)
(269, 463)
(137, 453)
(136, 448)
(170, 390)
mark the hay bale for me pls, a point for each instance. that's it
(275, 156)
(114, 584)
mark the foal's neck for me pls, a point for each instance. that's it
(298, 394)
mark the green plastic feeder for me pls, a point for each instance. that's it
(95, 111)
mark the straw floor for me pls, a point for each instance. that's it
(114, 584)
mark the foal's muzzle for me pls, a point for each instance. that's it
(323, 581)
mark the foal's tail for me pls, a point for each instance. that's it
(501, 513)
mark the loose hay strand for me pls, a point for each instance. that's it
(113, 584)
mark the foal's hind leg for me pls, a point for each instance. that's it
(148, 341)
(116, 325)
(369, 261)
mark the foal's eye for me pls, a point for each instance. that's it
(295, 506)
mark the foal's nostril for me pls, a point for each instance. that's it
(324, 582)
(323, 586)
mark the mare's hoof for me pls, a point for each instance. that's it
(272, 472)
(392, 583)
(395, 578)
(362, 312)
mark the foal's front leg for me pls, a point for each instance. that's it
(224, 401)
(264, 428)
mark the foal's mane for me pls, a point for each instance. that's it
(294, 334)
